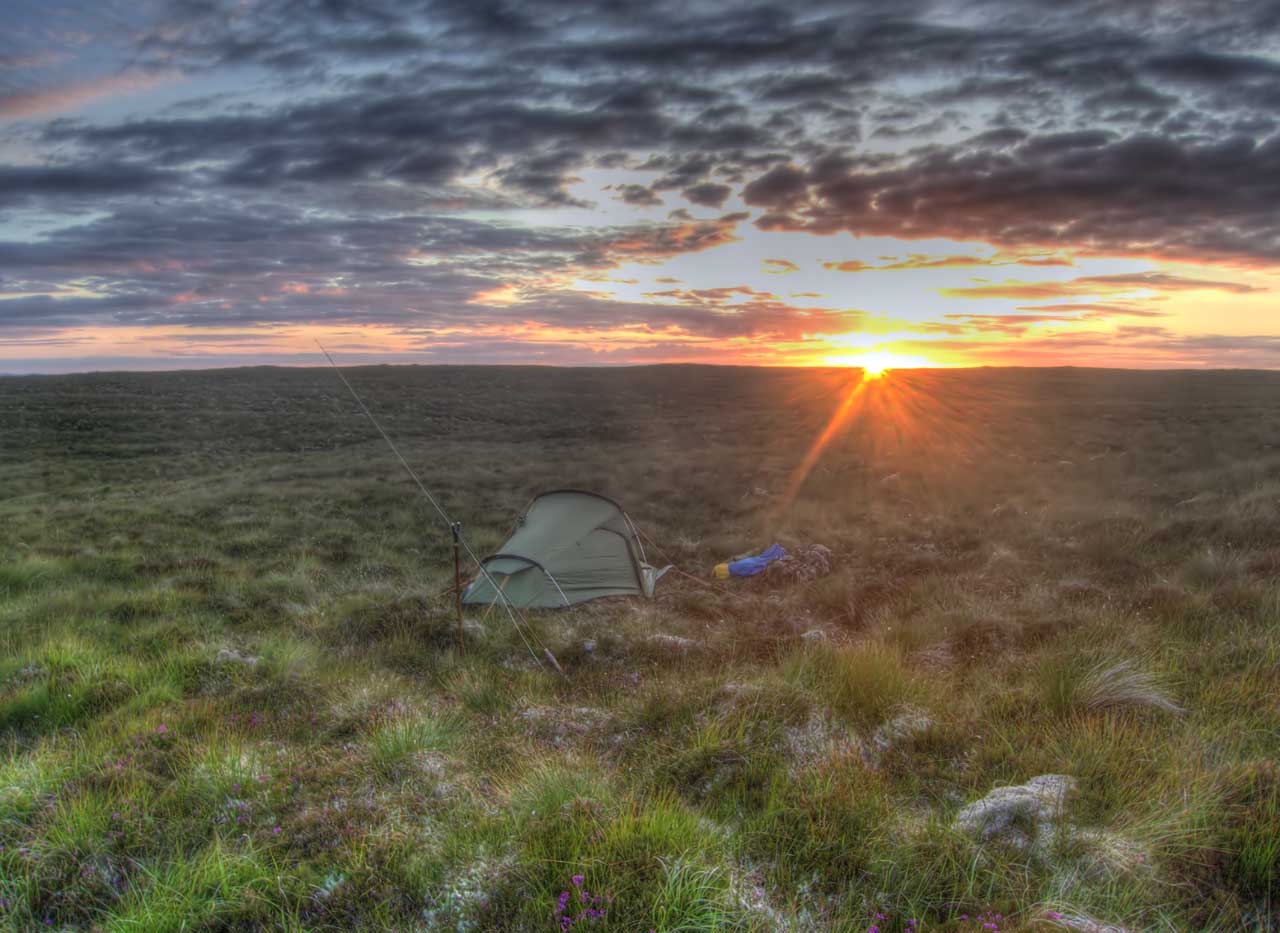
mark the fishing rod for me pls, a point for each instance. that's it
(517, 618)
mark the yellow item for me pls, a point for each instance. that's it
(721, 571)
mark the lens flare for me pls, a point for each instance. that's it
(875, 363)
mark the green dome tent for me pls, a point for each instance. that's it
(569, 546)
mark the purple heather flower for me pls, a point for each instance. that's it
(1053, 915)
(160, 730)
(577, 880)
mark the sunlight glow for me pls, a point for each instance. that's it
(875, 363)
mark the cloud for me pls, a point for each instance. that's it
(1097, 285)
(1103, 310)
(1141, 195)
(639, 195)
(708, 194)
(782, 187)
(779, 266)
(21, 184)
(922, 261)
(389, 161)
(58, 99)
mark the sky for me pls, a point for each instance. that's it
(196, 183)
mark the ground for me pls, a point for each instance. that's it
(231, 694)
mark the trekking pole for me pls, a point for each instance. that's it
(456, 527)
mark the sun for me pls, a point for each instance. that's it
(874, 369)
(875, 363)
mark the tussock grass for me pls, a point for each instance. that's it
(1070, 687)
(862, 682)
(394, 746)
(231, 696)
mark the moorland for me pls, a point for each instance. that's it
(232, 696)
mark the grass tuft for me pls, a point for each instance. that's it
(1105, 685)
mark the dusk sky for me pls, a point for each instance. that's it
(210, 183)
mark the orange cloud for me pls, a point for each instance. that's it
(779, 266)
(502, 295)
(1096, 285)
(924, 261)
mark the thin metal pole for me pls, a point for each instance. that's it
(456, 527)
(518, 621)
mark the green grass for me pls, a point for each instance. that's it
(232, 697)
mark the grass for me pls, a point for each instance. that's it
(232, 698)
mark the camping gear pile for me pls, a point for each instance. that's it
(801, 564)
(749, 565)
(776, 564)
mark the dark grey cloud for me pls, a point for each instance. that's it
(78, 180)
(550, 85)
(1142, 195)
(708, 194)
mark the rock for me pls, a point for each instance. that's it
(556, 724)
(673, 643)
(589, 646)
(1107, 854)
(1082, 923)
(907, 724)
(817, 740)
(814, 635)
(1022, 815)
(231, 656)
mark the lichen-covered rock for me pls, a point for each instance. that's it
(1022, 815)
(1105, 854)
(906, 725)
(231, 656)
(1082, 923)
(673, 643)
(556, 724)
(819, 739)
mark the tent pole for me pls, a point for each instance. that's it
(456, 527)
(518, 621)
